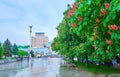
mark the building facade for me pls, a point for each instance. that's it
(39, 40)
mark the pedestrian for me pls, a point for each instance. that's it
(118, 59)
(22, 58)
(28, 58)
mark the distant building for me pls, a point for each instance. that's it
(41, 52)
(39, 40)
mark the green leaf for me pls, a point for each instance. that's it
(88, 2)
(118, 36)
(114, 36)
(118, 50)
(113, 16)
(104, 23)
(85, 23)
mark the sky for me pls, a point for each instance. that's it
(17, 15)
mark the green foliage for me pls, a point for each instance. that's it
(15, 49)
(7, 48)
(1, 52)
(32, 53)
(21, 46)
(22, 53)
(97, 69)
(85, 29)
(0, 43)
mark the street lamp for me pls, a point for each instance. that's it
(30, 36)
(30, 31)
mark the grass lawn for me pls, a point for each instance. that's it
(2, 59)
(97, 69)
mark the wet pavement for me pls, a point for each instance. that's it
(42, 67)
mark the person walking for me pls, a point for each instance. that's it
(118, 59)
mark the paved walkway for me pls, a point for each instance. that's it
(43, 67)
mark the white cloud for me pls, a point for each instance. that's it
(17, 15)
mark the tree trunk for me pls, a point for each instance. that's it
(72, 59)
(86, 55)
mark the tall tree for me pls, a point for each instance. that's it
(7, 48)
(94, 30)
(0, 43)
(15, 50)
(22, 53)
(1, 51)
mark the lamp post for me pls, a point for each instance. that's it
(30, 36)
(30, 31)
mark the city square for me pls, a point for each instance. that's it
(60, 38)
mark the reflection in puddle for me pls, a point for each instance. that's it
(42, 67)
(11, 69)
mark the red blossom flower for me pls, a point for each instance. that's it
(97, 20)
(74, 7)
(79, 18)
(109, 33)
(77, 3)
(109, 42)
(107, 51)
(113, 27)
(107, 5)
(109, 26)
(104, 12)
(101, 15)
(74, 25)
(70, 13)
(66, 16)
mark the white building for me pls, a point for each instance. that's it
(39, 40)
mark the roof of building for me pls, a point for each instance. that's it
(36, 50)
(39, 50)
(24, 49)
(39, 33)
